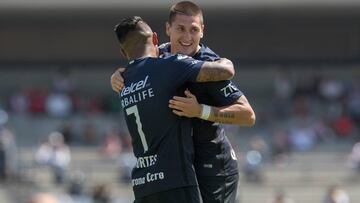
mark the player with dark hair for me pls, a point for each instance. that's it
(222, 102)
(162, 141)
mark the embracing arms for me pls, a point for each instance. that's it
(222, 69)
(239, 113)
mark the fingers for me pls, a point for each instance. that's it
(182, 99)
(116, 85)
(117, 81)
(179, 113)
(118, 77)
(121, 70)
(179, 108)
(189, 94)
(116, 88)
(176, 105)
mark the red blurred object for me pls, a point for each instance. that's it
(343, 126)
(37, 99)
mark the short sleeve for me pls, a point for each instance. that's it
(223, 92)
(206, 54)
(186, 68)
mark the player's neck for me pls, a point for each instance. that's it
(147, 51)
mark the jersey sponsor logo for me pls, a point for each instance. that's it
(148, 178)
(145, 162)
(135, 86)
(229, 89)
(137, 97)
(137, 91)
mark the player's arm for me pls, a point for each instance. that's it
(116, 80)
(239, 113)
(222, 69)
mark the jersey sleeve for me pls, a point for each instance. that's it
(186, 68)
(223, 93)
(206, 54)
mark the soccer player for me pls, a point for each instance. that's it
(215, 161)
(162, 141)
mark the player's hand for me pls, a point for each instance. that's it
(186, 106)
(117, 81)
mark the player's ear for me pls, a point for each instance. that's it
(167, 24)
(155, 39)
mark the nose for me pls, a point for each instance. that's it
(187, 36)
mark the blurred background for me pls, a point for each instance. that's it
(298, 62)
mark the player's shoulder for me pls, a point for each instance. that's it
(206, 54)
(206, 49)
(177, 58)
(180, 60)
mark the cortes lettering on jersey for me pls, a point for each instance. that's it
(146, 161)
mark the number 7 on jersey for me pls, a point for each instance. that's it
(134, 110)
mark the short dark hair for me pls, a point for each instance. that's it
(185, 8)
(126, 25)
